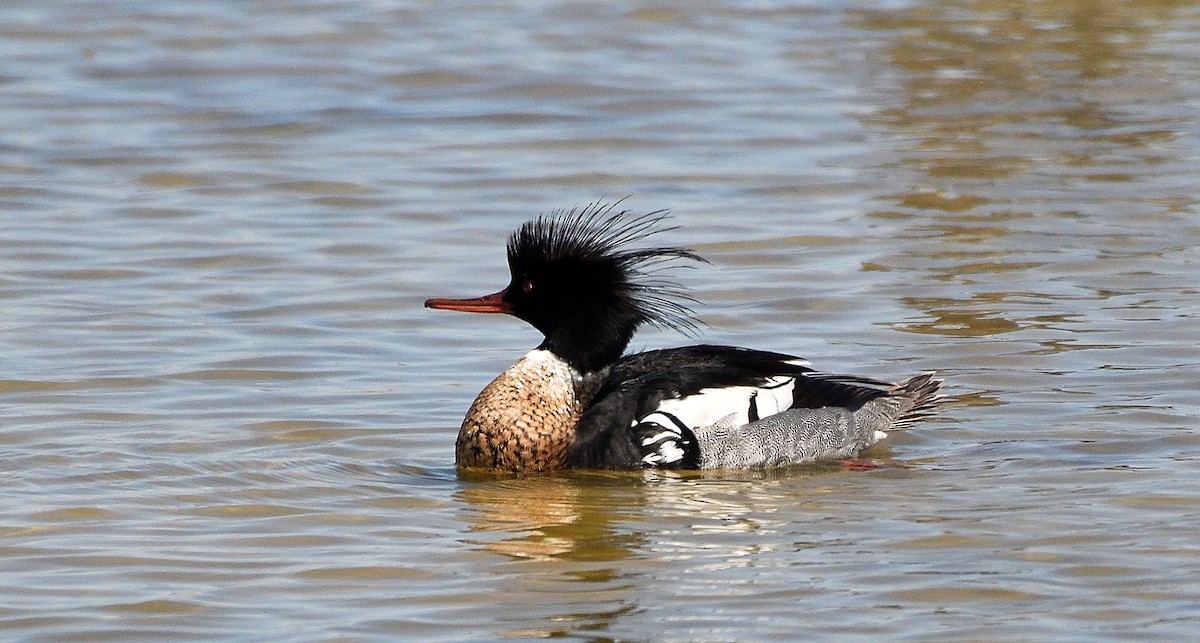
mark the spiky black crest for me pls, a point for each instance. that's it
(596, 235)
(575, 278)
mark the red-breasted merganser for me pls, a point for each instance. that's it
(576, 402)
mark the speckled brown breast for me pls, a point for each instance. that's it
(525, 419)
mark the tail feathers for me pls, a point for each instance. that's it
(913, 399)
(800, 434)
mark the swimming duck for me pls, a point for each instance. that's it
(576, 401)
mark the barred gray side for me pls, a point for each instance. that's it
(807, 435)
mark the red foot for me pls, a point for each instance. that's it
(859, 465)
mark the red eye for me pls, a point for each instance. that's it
(527, 287)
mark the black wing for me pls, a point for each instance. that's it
(639, 416)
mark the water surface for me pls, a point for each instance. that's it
(225, 414)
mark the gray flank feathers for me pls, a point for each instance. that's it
(801, 435)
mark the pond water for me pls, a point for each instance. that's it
(224, 413)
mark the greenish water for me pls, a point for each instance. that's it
(224, 413)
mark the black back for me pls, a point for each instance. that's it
(639, 383)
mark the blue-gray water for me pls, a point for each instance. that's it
(224, 412)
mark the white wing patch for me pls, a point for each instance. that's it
(665, 440)
(729, 406)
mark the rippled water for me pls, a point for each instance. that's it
(225, 414)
